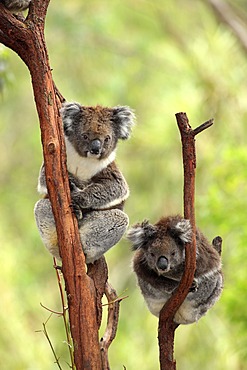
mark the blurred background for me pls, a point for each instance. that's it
(160, 58)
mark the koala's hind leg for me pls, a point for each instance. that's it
(46, 225)
(100, 231)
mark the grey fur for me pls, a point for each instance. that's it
(98, 188)
(159, 264)
(123, 118)
(16, 6)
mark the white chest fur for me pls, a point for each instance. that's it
(85, 167)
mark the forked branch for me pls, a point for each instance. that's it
(167, 326)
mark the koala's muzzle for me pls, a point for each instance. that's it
(162, 263)
(95, 146)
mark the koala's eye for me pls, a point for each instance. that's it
(152, 254)
(85, 136)
(173, 254)
(107, 139)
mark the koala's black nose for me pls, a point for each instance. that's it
(162, 263)
(95, 146)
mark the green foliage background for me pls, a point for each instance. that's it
(160, 58)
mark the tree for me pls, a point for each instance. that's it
(84, 291)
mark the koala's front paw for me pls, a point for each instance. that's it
(81, 198)
(73, 187)
(194, 287)
(76, 210)
(184, 228)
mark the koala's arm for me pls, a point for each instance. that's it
(42, 187)
(107, 189)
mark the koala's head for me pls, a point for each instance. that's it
(162, 244)
(94, 131)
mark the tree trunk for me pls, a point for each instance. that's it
(26, 38)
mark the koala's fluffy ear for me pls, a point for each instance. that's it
(181, 229)
(140, 234)
(124, 119)
(71, 113)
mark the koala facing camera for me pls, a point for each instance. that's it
(98, 188)
(159, 262)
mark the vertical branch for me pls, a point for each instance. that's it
(98, 272)
(27, 40)
(112, 323)
(167, 326)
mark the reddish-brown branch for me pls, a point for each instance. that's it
(27, 40)
(98, 272)
(167, 326)
(112, 323)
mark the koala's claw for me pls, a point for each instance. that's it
(193, 287)
(76, 210)
(73, 187)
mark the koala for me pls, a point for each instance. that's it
(98, 188)
(159, 262)
(16, 6)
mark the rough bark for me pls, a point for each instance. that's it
(26, 38)
(167, 326)
(98, 272)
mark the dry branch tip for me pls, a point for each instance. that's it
(203, 126)
(50, 310)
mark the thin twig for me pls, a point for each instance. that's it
(58, 94)
(203, 126)
(65, 318)
(45, 332)
(52, 348)
(119, 299)
(52, 311)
